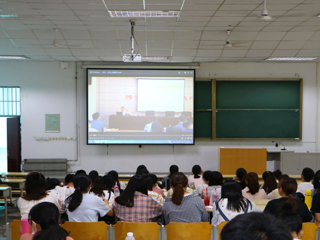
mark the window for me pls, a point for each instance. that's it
(10, 101)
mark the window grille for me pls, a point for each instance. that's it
(10, 101)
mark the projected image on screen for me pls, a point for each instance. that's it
(136, 106)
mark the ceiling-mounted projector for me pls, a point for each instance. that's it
(132, 57)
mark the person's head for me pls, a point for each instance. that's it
(81, 171)
(316, 180)
(215, 178)
(270, 182)
(108, 182)
(140, 167)
(93, 174)
(240, 174)
(232, 191)
(82, 185)
(114, 174)
(148, 181)
(187, 125)
(154, 179)
(44, 218)
(122, 108)
(98, 186)
(36, 186)
(206, 176)
(179, 183)
(307, 174)
(96, 116)
(252, 182)
(287, 187)
(182, 118)
(277, 173)
(156, 127)
(255, 226)
(69, 179)
(173, 169)
(196, 171)
(291, 219)
(136, 184)
(52, 183)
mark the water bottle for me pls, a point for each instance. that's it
(116, 191)
(207, 198)
(307, 198)
(130, 236)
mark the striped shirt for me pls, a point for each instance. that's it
(143, 210)
(191, 209)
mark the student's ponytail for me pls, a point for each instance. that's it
(81, 184)
(179, 182)
(252, 182)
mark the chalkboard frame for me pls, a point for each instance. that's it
(214, 106)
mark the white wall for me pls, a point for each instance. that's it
(46, 88)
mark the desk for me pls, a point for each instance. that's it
(139, 122)
(261, 203)
(5, 192)
(15, 183)
(14, 174)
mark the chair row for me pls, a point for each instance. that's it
(146, 231)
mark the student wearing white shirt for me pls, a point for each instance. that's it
(85, 207)
(99, 189)
(195, 179)
(306, 176)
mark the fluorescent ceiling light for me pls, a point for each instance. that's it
(155, 58)
(2, 57)
(291, 59)
(151, 14)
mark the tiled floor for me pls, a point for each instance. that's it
(13, 213)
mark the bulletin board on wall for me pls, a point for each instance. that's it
(248, 109)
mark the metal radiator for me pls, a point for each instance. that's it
(49, 167)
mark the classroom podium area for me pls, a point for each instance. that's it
(146, 231)
(139, 122)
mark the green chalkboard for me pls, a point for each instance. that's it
(250, 109)
(258, 94)
(258, 124)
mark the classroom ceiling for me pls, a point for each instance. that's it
(86, 32)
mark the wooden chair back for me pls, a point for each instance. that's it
(188, 231)
(141, 231)
(309, 231)
(86, 230)
(15, 227)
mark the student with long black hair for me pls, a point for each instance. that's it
(166, 180)
(270, 182)
(44, 221)
(240, 177)
(195, 179)
(134, 204)
(99, 189)
(253, 190)
(287, 189)
(85, 207)
(183, 206)
(231, 203)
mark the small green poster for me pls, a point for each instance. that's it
(52, 123)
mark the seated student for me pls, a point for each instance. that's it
(252, 190)
(316, 183)
(99, 189)
(44, 221)
(195, 179)
(155, 186)
(52, 183)
(65, 191)
(205, 178)
(183, 206)
(287, 189)
(134, 204)
(240, 177)
(166, 180)
(96, 123)
(255, 226)
(277, 173)
(215, 183)
(188, 126)
(181, 119)
(36, 192)
(231, 203)
(270, 182)
(292, 220)
(155, 196)
(114, 174)
(84, 207)
(93, 175)
(306, 176)
(141, 168)
(109, 184)
(275, 193)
